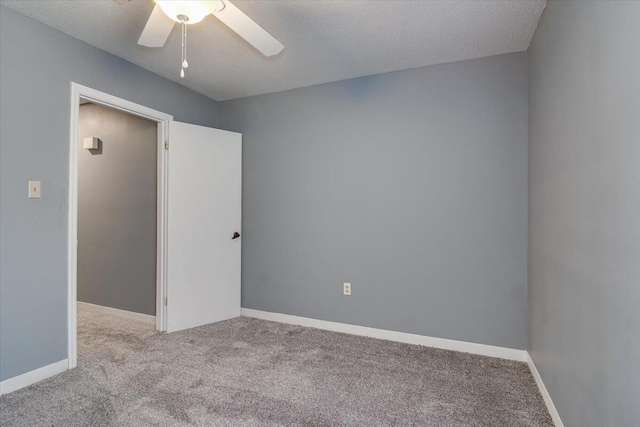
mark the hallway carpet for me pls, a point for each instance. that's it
(249, 372)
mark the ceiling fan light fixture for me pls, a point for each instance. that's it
(185, 12)
(194, 10)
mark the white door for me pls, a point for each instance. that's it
(204, 212)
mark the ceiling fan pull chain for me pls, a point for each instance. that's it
(185, 64)
(184, 50)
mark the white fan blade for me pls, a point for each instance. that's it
(246, 28)
(157, 30)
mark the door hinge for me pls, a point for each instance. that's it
(166, 300)
(166, 145)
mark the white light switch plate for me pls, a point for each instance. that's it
(34, 189)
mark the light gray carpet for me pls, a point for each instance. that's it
(251, 372)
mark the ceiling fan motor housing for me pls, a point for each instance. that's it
(187, 11)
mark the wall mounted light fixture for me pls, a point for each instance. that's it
(91, 143)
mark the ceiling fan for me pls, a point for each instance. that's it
(166, 13)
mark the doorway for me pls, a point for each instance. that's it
(96, 103)
(117, 213)
(198, 244)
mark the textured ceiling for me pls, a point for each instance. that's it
(324, 40)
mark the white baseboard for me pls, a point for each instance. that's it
(442, 343)
(555, 416)
(130, 315)
(31, 377)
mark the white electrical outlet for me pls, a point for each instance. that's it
(346, 288)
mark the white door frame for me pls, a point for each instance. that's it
(77, 92)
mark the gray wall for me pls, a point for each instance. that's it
(584, 229)
(37, 64)
(117, 210)
(410, 185)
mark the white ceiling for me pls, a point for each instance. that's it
(324, 41)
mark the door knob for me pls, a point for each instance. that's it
(235, 235)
